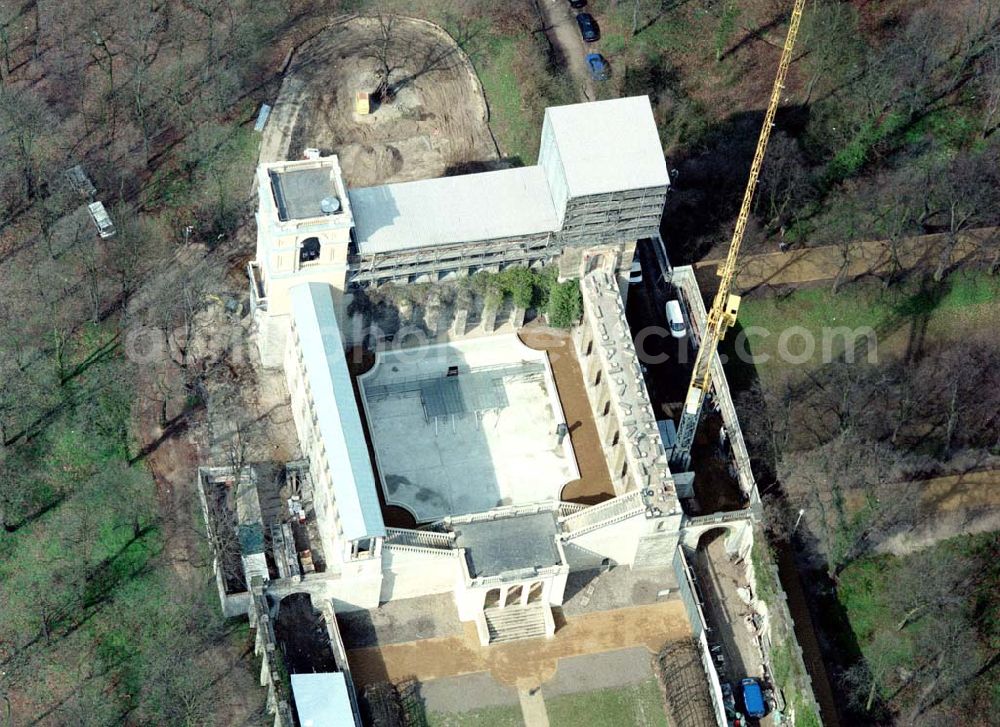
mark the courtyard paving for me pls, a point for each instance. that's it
(522, 664)
(495, 445)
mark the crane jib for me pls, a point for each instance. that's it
(722, 315)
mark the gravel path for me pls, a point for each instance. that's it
(564, 34)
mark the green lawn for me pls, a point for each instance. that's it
(964, 302)
(640, 705)
(486, 717)
(516, 132)
(894, 640)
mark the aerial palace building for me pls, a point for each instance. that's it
(599, 185)
(466, 434)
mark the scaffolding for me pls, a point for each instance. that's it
(595, 219)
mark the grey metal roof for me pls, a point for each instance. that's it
(608, 146)
(465, 208)
(321, 700)
(337, 411)
(493, 547)
(298, 192)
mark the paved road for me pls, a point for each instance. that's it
(667, 359)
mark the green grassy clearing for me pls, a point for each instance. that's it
(640, 705)
(894, 640)
(516, 132)
(509, 716)
(963, 303)
(89, 604)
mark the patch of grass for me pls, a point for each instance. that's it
(866, 591)
(952, 126)
(767, 585)
(485, 717)
(862, 596)
(849, 160)
(640, 705)
(805, 716)
(514, 131)
(963, 300)
(614, 43)
(670, 32)
(727, 24)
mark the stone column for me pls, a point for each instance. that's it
(460, 323)
(489, 318)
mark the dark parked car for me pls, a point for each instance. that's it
(729, 702)
(588, 27)
(577, 4)
(599, 69)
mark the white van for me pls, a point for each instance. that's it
(635, 274)
(101, 218)
(675, 319)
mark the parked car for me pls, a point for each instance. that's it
(734, 717)
(577, 4)
(675, 319)
(588, 27)
(753, 698)
(635, 274)
(101, 218)
(599, 68)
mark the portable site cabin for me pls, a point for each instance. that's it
(81, 183)
(362, 103)
(105, 227)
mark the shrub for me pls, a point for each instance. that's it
(565, 304)
(519, 284)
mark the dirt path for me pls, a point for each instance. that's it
(869, 257)
(522, 663)
(564, 34)
(594, 485)
(950, 506)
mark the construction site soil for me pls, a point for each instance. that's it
(436, 125)
(522, 663)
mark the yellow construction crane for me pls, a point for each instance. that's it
(723, 312)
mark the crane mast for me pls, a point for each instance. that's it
(725, 305)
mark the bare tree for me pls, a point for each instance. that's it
(784, 181)
(849, 486)
(385, 53)
(989, 84)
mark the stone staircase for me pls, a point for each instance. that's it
(516, 622)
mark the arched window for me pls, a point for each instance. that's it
(492, 598)
(309, 250)
(514, 596)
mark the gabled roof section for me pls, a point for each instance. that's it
(608, 146)
(336, 411)
(464, 208)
